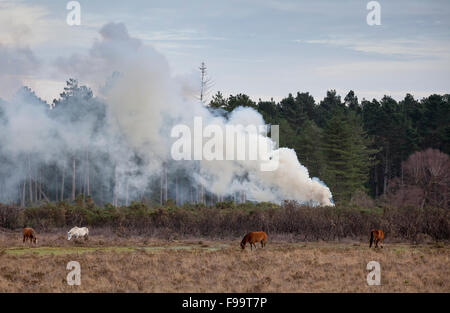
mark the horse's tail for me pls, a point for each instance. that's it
(371, 239)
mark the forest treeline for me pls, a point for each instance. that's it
(365, 146)
(364, 151)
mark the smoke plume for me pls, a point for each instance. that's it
(118, 141)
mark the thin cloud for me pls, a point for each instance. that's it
(400, 47)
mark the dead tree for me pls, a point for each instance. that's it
(205, 83)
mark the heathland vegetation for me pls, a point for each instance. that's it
(228, 220)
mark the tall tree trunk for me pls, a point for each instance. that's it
(23, 192)
(202, 194)
(161, 189)
(80, 179)
(102, 196)
(73, 179)
(377, 193)
(115, 186)
(166, 191)
(43, 194)
(35, 190)
(385, 173)
(62, 181)
(88, 178)
(56, 184)
(126, 194)
(40, 184)
(31, 185)
(176, 189)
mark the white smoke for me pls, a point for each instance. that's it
(143, 101)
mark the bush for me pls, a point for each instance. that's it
(230, 219)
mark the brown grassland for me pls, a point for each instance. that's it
(140, 264)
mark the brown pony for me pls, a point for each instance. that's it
(253, 238)
(377, 236)
(29, 233)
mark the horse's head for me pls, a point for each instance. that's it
(69, 235)
(242, 245)
(35, 240)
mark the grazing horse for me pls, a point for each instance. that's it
(253, 238)
(29, 233)
(377, 236)
(78, 232)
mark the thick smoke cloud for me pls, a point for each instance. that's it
(121, 140)
(15, 62)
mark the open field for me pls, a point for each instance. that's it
(140, 264)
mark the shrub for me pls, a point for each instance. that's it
(230, 219)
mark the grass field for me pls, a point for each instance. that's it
(139, 264)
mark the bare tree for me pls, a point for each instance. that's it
(205, 83)
(426, 181)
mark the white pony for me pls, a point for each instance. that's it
(78, 232)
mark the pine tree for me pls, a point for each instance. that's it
(308, 147)
(346, 153)
(293, 112)
(218, 101)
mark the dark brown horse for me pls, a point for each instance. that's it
(29, 233)
(377, 236)
(253, 238)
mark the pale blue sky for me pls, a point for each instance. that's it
(264, 48)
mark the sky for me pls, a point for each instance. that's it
(263, 48)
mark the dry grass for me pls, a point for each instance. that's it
(143, 265)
